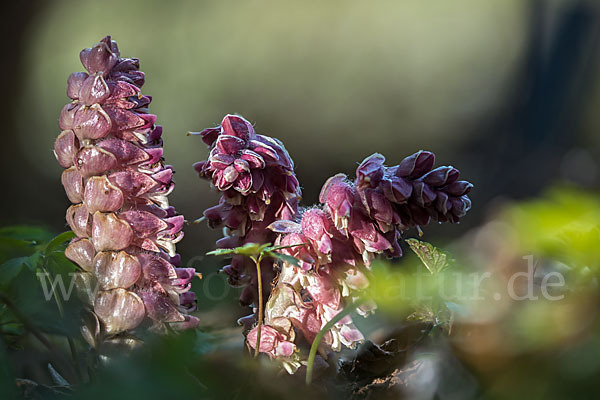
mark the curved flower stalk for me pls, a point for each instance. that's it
(334, 242)
(118, 183)
(355, 222)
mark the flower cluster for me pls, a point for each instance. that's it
(334, 242)
(118, 183)
(256, 177)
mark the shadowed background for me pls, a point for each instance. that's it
(506, 91)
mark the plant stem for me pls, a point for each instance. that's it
(315, 344)
(260, 304)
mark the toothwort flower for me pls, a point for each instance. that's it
(333, 242)
(118, 183)
(256, 177)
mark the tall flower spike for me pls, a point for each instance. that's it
(256, 177)
(118, 183)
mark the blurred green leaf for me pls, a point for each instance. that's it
(26, 232)
(564, 224)
(433, 258)
(10, 269)
(249, 249)
(58, 241)
(13, 248)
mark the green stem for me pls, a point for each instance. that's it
(315, 344)
(260, 304)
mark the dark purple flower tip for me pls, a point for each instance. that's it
(458, 188)
(423, 194)
(209, 135)
(100, 58)
(460, 206)
(396, 189)
(228, 242)
(187, 300)
(247, 322)
(175, 260)
(184, 276)
(235, 125)
(442, 203)
(370, 171)
(416, 165)
(378, 207)
(214, 215)
(155, 134)
(440, 176)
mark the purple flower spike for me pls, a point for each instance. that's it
(334, 242)
(115, 177)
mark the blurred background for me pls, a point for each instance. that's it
(506, 91)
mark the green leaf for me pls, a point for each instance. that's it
(13, 248)
(433, 258)
(10, 269)
(220, 252)
(57, 241)
(25, 232)
(249, 249)
(34, 261)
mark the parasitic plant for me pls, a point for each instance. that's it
(118, 183)
(333, 243)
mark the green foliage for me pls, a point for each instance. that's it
(258, 251)
(564, 225)
(433, 258)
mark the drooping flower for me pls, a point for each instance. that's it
(118, 183)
